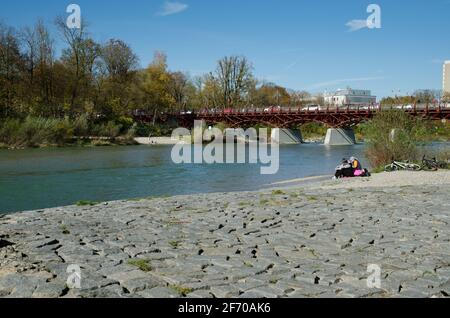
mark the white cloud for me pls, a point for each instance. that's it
(170, 8)
(355, 25)
(346, 80)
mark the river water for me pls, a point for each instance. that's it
(42, 178)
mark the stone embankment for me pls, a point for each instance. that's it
(315, 240)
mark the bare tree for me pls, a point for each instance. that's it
(74, 38)
(29, 38)
(45, 60)
(234, 77)
(178, 89)
(119, 59)
(10, 68)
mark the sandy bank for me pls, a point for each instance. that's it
(384, 180)
(156, 141)
(393, 179)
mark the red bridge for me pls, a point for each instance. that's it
(288, 117)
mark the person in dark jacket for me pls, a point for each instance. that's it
(344, 170)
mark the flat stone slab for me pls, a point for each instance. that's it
(295, 242)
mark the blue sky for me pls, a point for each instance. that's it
(300, 44)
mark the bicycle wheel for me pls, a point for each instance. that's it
(390, 168)
(413, 167)
(429, 167)
(443, 165)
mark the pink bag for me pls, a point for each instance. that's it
(359, 173)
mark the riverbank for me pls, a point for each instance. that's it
(306, 240)
(39, 132)
(80, 142)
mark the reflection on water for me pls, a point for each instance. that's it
(41, 178)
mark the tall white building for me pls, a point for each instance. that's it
(350, 97)
(446, 78)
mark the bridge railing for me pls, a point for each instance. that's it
(289, 110)
(364, 109)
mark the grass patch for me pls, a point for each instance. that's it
(174, 244)
(380, 169)
(65, 230)
(142, 264)
(312, 198)
(313, 252)
(183, 291)
(278, 192)
(248, 264)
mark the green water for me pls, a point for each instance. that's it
(41, 178)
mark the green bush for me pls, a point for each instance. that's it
(9, 131)
(125, 122)
(438, 131)
(393, 135)
(81, 126)
(110, 129)
(146, 130)
(310, 130)
(38, 131)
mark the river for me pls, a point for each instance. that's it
(41, 178)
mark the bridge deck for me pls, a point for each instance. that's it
(285, 118)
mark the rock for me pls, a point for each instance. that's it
(318, 243)
(159, 292)
(5, 243)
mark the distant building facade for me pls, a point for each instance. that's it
(446, 78)
(350, 97)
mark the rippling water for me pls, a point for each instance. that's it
(41, 178)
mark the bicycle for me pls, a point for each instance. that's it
(433, 164)
(397, 166)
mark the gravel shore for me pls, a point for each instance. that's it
(300, 240)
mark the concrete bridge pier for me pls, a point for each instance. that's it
(284, 136)
(340, 137)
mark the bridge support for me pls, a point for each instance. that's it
(340, 137)
(286, 136)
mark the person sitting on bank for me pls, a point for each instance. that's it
(358, 171)
(344, 170)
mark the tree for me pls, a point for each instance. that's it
(30, 42)
(119, 59)
(234, 79)
(398, 101)
(426, 96)
(300, 98)
(115, 81)
(178, 88)
(11, 65)
(270, 94)
(212, 92)
(45, 64)
(79, 57)
(155, 86)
